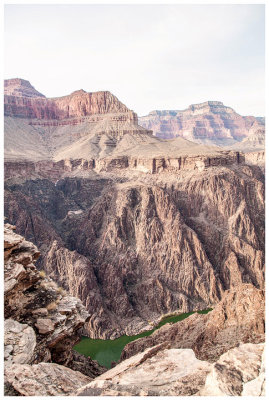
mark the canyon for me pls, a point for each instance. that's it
(137, 226)
(42, 323)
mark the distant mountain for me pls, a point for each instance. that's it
(20, 87)
(210, 122)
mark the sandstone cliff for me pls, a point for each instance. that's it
(20, 88)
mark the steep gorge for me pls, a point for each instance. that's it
(133, 225)
(135, 248)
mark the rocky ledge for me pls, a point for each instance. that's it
(177, 372)
(42, 324)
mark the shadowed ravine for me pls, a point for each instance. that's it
(109, 351)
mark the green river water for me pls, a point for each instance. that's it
(107, 351)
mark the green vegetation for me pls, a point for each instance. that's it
(107, 351)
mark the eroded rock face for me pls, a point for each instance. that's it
(238, 318)
(133, 251)
(20, 343)
(208, 122)
(42, 321)
(22, 100)
(177, 372)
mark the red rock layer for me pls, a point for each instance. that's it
(22, 100)
(208, 120)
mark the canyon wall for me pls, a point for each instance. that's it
(208, 122)
(133, 251)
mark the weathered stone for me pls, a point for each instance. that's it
(44, 379)
(234, 370)
(177, 372)
(20, 343)
(43, 312)
(155, 371)
(29, 296)
(44, 325)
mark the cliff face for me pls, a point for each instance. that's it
(42, 322)
(208, 122)
(133, 251)
(82, 124)
(22, 100)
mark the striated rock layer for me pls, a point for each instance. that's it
(210, 122)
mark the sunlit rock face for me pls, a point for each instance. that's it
(177, 372)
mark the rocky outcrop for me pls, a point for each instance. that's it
(236, 371)
(153, 165)
(238, 318)
(44, 379)
(20, 343)
(42, 325)
(208, 122)
(177, 372)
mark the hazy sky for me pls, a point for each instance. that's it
(150, 56)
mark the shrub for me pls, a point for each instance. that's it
(42, 274)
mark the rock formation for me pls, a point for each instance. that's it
(177, 372)
(42, 324)
(133, 251)
(136, 227)
(210, 122)
(238, 318)
(20, 88)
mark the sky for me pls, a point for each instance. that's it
(152, 57)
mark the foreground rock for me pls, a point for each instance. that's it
(42, 325)
(20, 343)
(240, 371)
(177, 372)
(238, 318)
(44, 379)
